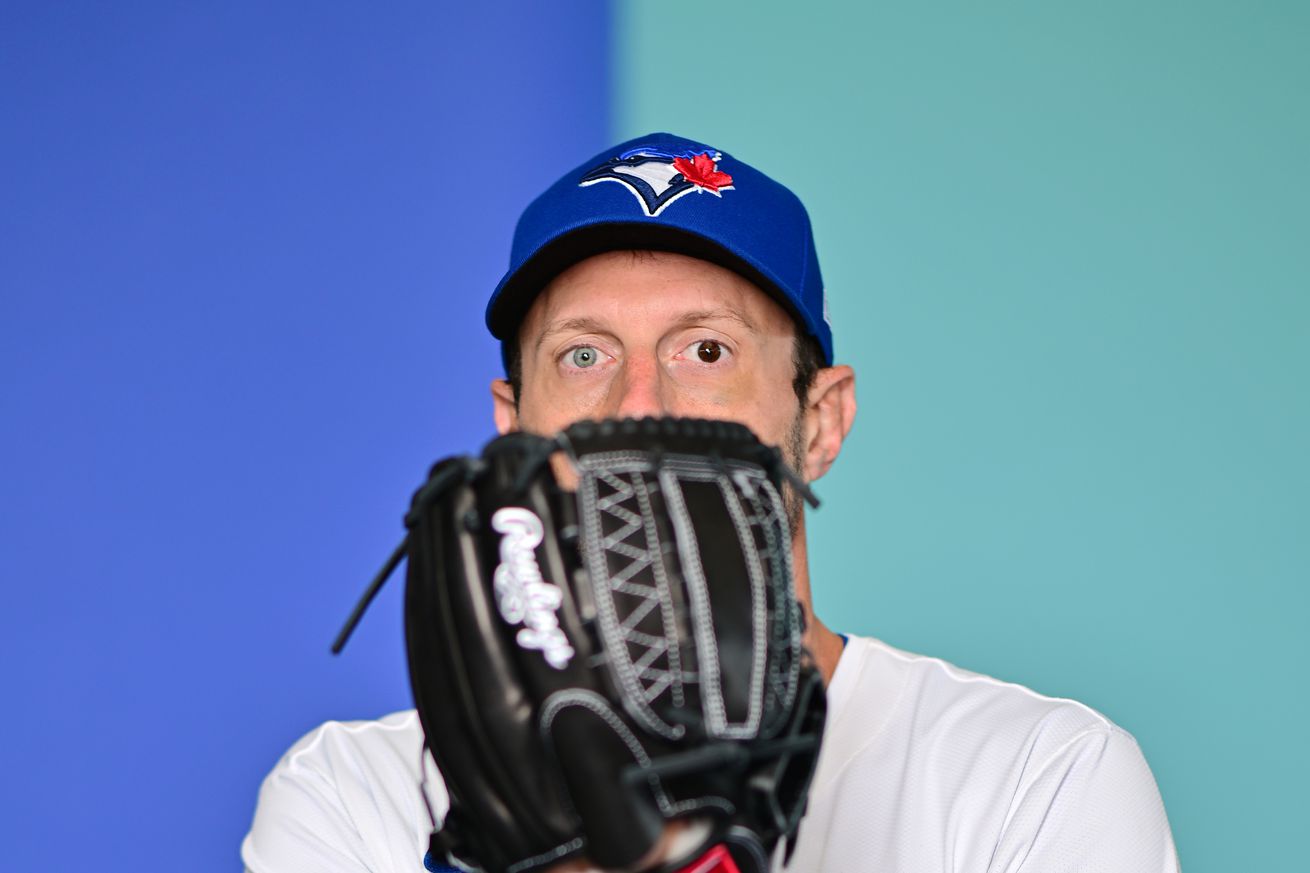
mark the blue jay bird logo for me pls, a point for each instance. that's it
(657, 177)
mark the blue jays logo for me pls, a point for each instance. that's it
(657, 177)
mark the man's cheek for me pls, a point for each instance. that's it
(707, 396)
(552, 407)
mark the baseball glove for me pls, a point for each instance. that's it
(592, 663)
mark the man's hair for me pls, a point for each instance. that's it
(806, 355)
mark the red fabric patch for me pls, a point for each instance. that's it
(702, 172)
(716, 860)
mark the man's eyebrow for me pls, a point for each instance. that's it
(579, 324)
(723, 313)
(588, 324)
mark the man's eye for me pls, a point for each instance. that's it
(584, 356)
(709, 351)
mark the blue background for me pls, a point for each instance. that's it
(245, 249)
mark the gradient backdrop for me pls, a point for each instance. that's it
(244, 250)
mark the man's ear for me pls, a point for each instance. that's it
(503, 408)
(829, 414)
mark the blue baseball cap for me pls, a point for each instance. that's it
(667, 193)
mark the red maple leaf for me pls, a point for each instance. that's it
(702, 172)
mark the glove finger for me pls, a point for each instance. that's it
(476, 713)
(622, 821)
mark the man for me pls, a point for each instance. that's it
(666, 278)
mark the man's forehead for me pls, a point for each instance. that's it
(675, 287)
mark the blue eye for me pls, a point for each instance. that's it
(584, 356)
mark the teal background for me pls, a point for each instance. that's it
(1067, 252)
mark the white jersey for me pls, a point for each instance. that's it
(925, 768)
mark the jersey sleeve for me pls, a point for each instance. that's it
(345, 799)
(1093, 805)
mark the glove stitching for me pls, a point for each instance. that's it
(590, 700)
(758, 608)
(712, 689)
(619, 635)
(550, 855)
(788, 631)
(673, 675)
(698, 599)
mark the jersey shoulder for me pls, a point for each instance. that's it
(929, 766)
(348, 795)
(968, 734)
(932, 698)
(392, 739)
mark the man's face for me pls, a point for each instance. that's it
(653, 333)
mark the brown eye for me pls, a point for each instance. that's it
(709, 351)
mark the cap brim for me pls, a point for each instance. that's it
(517, 290)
